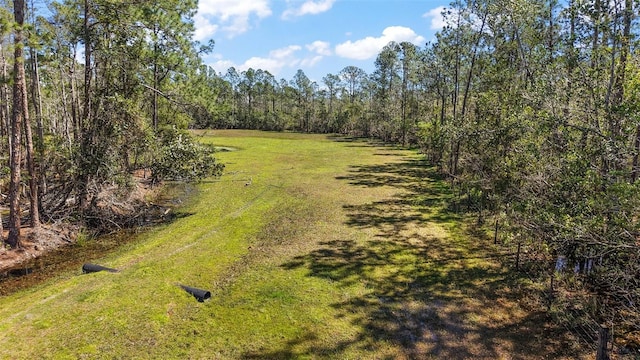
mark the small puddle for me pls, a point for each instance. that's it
(19, 272)
(61, 261)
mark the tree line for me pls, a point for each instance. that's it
(530, 108)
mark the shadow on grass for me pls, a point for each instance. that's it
(432, 289)
(425, 297)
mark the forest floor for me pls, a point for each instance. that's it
(312, 247)
(35, 243)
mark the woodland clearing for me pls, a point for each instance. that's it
(312, 247)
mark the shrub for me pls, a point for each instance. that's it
(183, 159)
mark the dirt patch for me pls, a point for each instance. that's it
(35, 243)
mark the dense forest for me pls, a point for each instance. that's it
(531, 110)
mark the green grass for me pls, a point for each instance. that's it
(312, 247)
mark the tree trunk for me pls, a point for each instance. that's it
(443, 107)
(84, 125)
(622, 66)
(33, 177)
(75, 102)
(456, 74)
(20, 113)
(155, 98)
(602, 352)
(36, 180)
(155, 87)
(37, 101)
(4, 94)
(467, 85)
(403, 98)
(66, 123)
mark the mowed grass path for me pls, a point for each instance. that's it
(312, 247)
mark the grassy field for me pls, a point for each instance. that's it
(312, 247)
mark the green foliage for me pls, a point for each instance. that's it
(431, 139)
(181, 158)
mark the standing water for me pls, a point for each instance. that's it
(69, 259)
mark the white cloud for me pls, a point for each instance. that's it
(287, 57)
(274, 66)
(311, 61)
(232, 16)
(437, 19)
(309, 7)
(274, 62)
(284, 53)
(320, 47)
(221, 66)
(204, 29)
(226, 9)
(369, 47)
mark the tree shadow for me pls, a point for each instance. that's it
(429, 299)
(433, 289)
(409, 174)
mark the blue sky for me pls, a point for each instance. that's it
(317, 36)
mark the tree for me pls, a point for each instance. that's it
(409, 63)
(247, 89)
(304, 93)
(18, 119)
(170, 41)
(333, 84)
(354, 77)
(6, 18)
(233, 78)
(387, 78)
